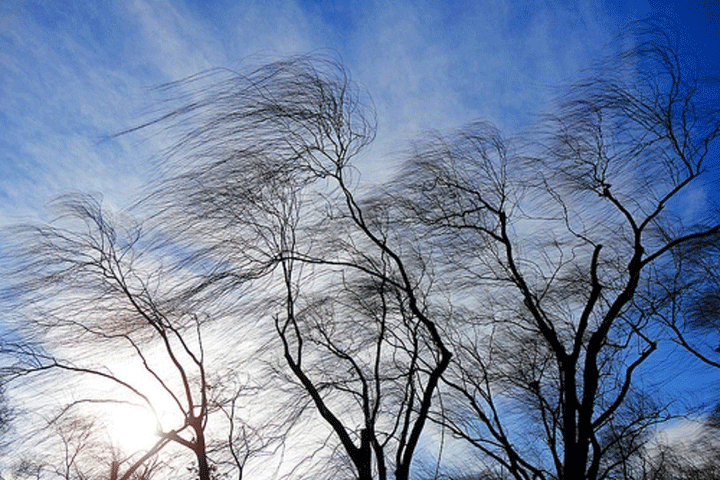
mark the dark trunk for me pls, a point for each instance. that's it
(363, 457)
(201, 454)
(574, 459)
(402, 472)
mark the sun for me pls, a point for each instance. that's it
(132, 428)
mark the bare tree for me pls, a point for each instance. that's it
(695, 317)
(520, 282)
(71, 448)
(695, 457)
(267, 205)
(6, 415)
(93, 305)
(555, 254)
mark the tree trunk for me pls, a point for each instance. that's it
(574, 459)
(201, 455)
(363, 461)
(402, 472)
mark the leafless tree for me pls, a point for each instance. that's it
(695, 457)
(93, 305)
(6, 415)
(507, 291)
(267, 205)
(695, 317)
(555, 251)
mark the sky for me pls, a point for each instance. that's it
(73, 74)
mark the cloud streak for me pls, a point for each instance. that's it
(74, 74)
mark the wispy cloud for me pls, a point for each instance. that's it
(74, 73)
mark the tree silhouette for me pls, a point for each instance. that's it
(93, 307)
(507, 291)
(556, 255)
(269, 160)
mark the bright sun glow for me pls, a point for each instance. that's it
(132, 428)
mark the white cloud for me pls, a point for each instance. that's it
(438, 66)
(85, 71)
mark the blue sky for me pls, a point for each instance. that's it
(72, 73)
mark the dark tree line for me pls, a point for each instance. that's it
(499, 293)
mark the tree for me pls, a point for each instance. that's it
(695, 318)
(267, 205)
(5, 416)
(691, 458)
(506, 291)
(555, 253)
(76, 441)
(132, 338)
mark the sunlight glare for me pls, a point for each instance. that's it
(132, 428)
